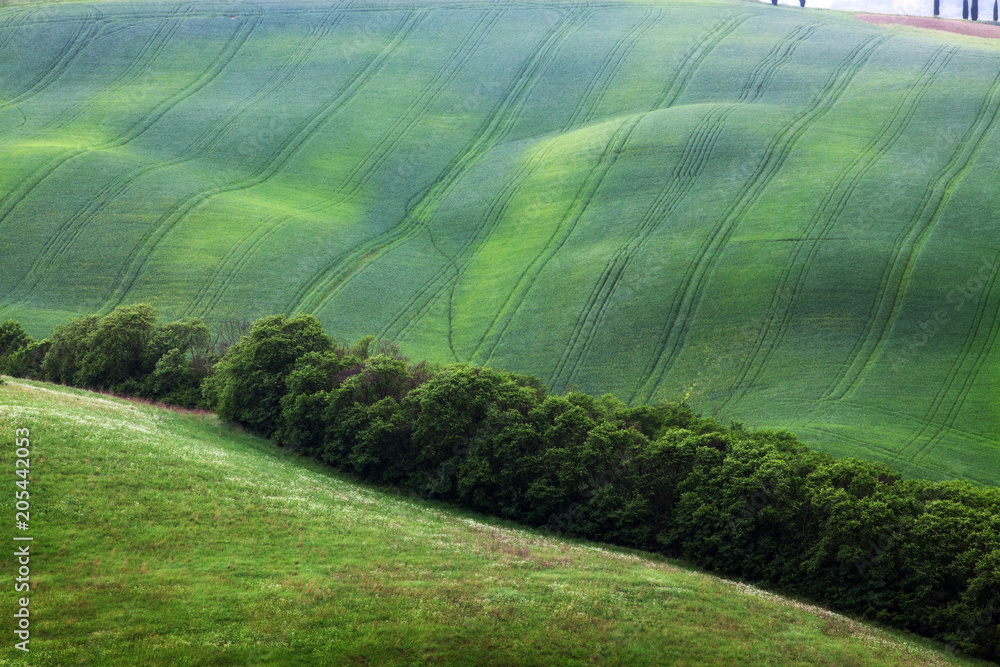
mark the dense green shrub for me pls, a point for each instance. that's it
(67, 348)
(14, 341)
(125, 352)
(250, 380)
(27, 361)
(757, 505)
(116, 355)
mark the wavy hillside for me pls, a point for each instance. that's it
(166, 539)
(786, 216)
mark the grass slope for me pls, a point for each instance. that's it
(167, 539)
(786, 216)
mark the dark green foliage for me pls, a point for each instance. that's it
(965, 9)
(116, 355)
(250, 380)
(27, 361)
(448, 413)
(178, 359)
(174, 380)
(309, 385)
(365, 429)
(190, 336)
(757, 505)
(13, 340)
(69, 344)
(975, 10)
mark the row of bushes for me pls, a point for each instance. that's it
(752, 504)
(125, 352)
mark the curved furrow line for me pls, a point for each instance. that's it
(920, 421)
(239, 254)
(690, 61)
(409, 120)
(908, 245)
(424, 297)
(366, 168)
(504, 122)
(951, 411)
(12, 25)
(696, 152)
(673, 88)
(290, 147)
(586, 108)
(207, 141)
(325, 285)
(860, 445)
(452, 266)
(692, 287)
(611, 63)
(68, 231)
(564, 229)
(90, 26)
(761, 75)
(148, 53)
(354, 260)
(812, 410)
(825, 218)
(13, 198)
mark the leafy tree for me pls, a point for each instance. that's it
(996, 11)
(447, 412)
(68, 344)
(309, 388)
(115, 356)
(175, 380)
(975, 10)
(251, 378)
(937, 7)
(965, 9)
(189, 336)
(27, 361)
(13, 339)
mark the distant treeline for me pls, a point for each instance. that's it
(757, 505)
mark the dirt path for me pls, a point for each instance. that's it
(970, 28)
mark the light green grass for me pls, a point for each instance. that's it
(758, 208)
(170, 539)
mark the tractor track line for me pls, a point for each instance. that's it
(826, 217)
(908, 245)
(692, 287)
(288, 149)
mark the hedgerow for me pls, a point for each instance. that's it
(758, 505)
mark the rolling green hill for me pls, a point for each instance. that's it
(169, 539)
(786, 216)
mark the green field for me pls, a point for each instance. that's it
(787, 217)
(169, 539)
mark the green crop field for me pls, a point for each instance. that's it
(788, 217)
(168, 539)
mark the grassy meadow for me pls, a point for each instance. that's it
(172, 539)
(787, 217)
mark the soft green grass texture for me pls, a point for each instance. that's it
(170, 539)
(786, 216)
